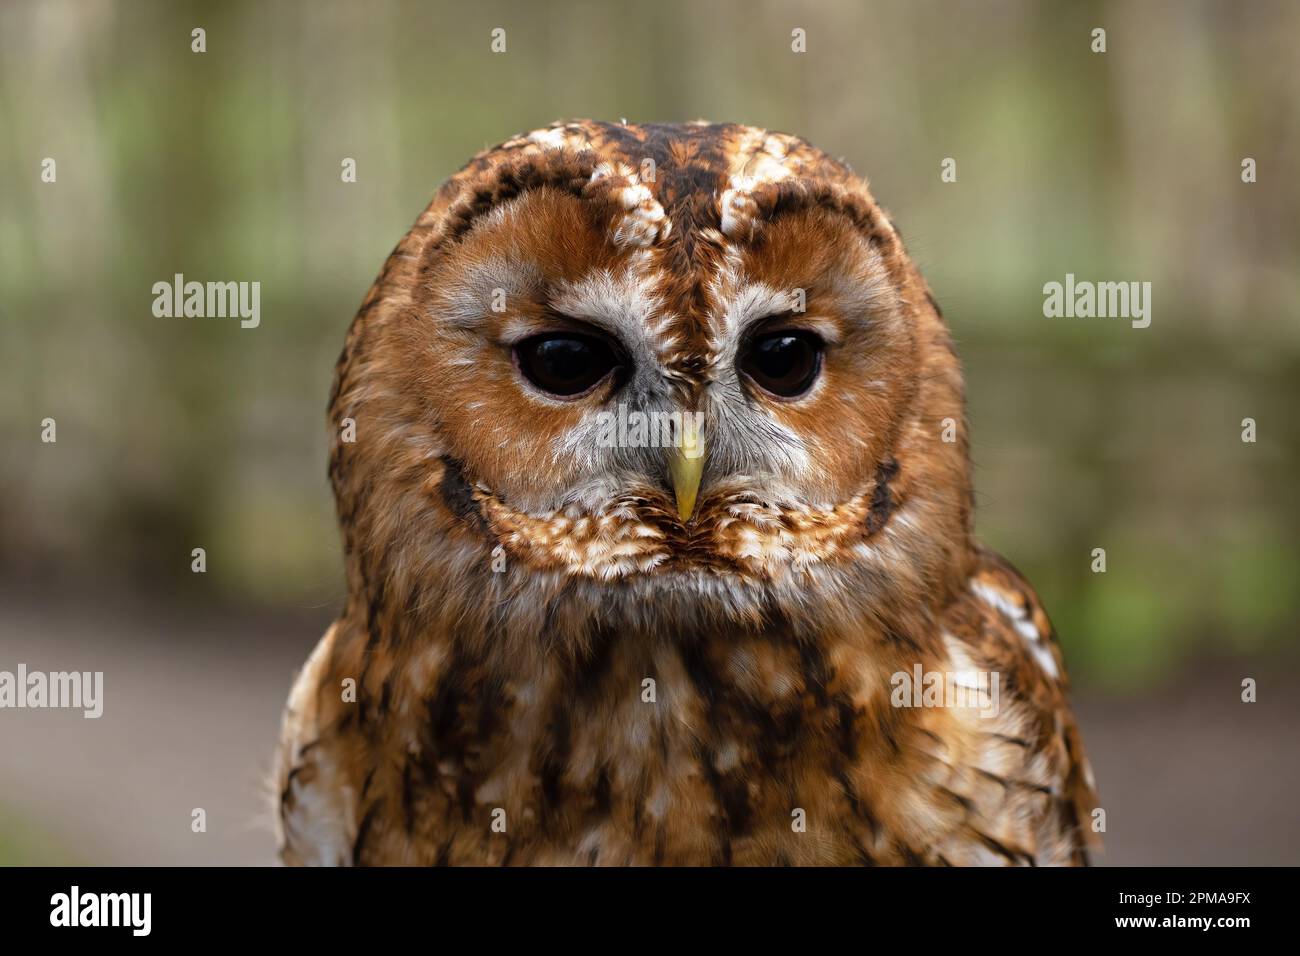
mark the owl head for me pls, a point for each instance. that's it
(688, 365)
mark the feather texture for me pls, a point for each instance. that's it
(548, 663)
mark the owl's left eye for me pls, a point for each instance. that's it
(565, 364)
(784, 363)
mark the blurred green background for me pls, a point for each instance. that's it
(180, 433)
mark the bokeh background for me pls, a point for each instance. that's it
(183, 433)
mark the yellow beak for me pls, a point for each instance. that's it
(686, 465)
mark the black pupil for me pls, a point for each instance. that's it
(784, 363)
(564, 364)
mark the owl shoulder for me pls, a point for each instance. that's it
(1002, 619)
(315, 812)
(998, 626)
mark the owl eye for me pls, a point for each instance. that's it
(565, 364)
(785, 363)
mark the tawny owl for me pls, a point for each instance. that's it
(651, 464)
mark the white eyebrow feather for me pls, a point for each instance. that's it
(623, 303)
(465, 302)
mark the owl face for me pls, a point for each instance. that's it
(624, 352)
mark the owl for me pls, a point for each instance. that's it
(651, 467)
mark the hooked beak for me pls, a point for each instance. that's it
(686, 465)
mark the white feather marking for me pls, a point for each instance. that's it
(1020, 620)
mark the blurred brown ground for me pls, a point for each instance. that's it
(1188, 774)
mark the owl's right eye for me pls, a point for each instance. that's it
(565, 364)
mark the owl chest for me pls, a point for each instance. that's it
(673, 758)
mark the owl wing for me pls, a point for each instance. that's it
(1023, 770)
(315, 816)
